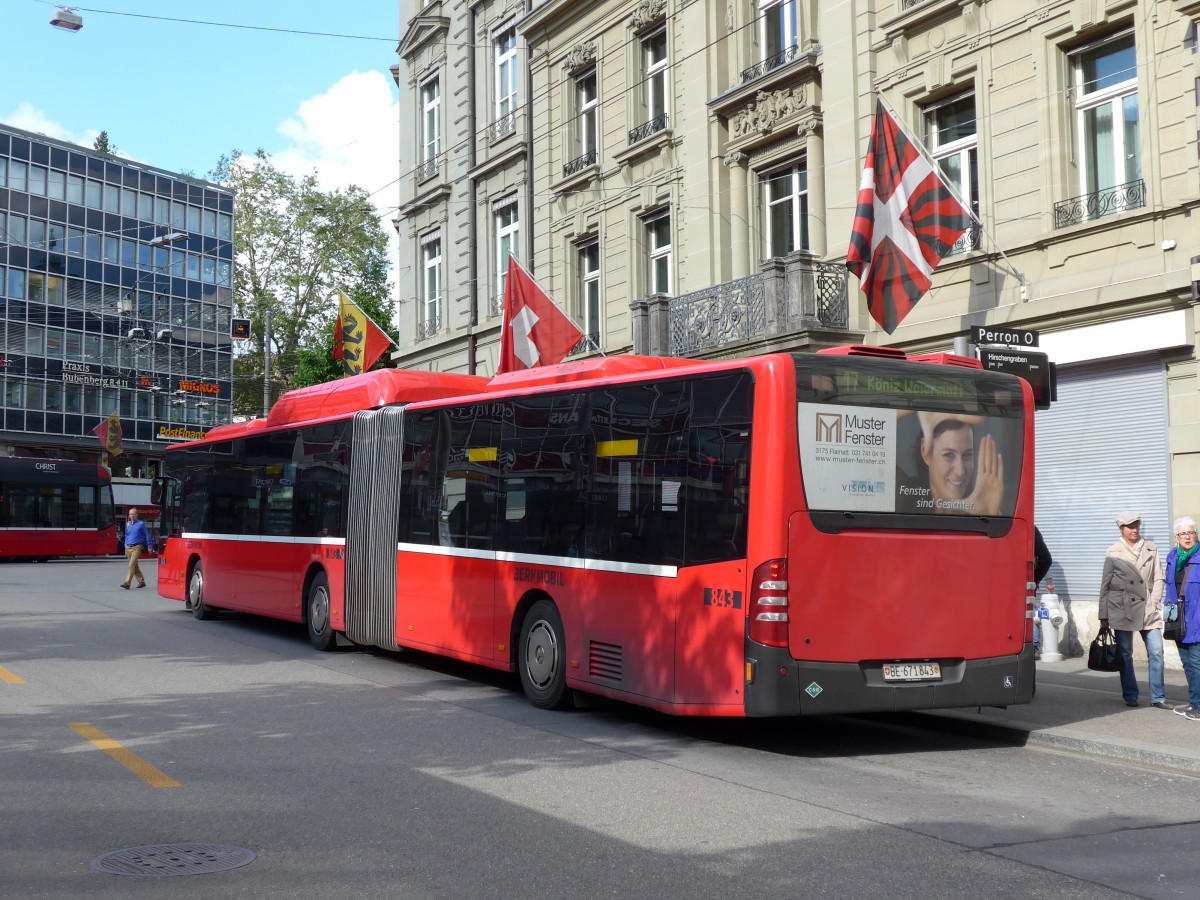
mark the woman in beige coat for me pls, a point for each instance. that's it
(1131, 593)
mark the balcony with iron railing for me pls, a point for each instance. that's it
(967, 241)
(782, 58)
(581, 162)
(1097, 205)
(427, 169)
(502, 127)
(793, 294)
(428, 327)
(588, 345)
(655, 125)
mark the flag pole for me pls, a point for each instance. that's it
(586, 337)
(923, 150)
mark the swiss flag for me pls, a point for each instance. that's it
(535, 331)
(906, 221)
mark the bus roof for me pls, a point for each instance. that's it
(587, 370)
(368, 391)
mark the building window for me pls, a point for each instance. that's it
(952, 140)
(586, 111)
(779, 30)
(1107, 131)
(506, 77)
(589, 292)
(654, 85)
(431, 288)
(508, 234)
(431, 128)
(786, 194)
(658, 248)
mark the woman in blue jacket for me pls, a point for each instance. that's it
(1183, 579)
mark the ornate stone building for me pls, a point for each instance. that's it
(687, 177)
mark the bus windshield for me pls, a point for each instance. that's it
(894, 440)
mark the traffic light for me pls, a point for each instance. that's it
(239, 328)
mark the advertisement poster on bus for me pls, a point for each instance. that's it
(872, 459)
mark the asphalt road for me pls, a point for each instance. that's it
(125, 723)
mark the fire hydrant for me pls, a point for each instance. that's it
(1052, 620)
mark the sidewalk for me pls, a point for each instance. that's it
(1078, 710)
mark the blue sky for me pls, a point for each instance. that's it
(177, 95)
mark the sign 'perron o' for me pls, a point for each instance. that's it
(984, 335)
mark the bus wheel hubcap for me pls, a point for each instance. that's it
(541, 656)
(319, 612)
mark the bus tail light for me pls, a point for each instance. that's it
(768, 608)
(1030, 602)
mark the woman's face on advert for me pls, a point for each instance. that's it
(950, 457)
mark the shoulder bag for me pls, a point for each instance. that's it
(1104, 655)
(1173, 620)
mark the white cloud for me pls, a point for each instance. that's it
(349, 135)
(30, 119)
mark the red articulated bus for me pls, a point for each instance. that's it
(51, 508)
(789, 534)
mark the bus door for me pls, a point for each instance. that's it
(448, 592)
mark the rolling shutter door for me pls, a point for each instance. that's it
(1101, 448)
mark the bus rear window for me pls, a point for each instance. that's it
(912, 439)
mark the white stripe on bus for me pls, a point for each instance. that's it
(529, 559)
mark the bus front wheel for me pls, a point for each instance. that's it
(542, 659)
(316, 614)
(195, 594)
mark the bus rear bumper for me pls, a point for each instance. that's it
(783, 686)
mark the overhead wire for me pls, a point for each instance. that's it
(449, 154)
(702, 201)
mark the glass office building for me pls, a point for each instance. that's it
(116, 291)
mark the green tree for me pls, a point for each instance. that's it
(101, 143)
(296, 246)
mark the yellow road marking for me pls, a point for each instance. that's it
(124, 756)
(9, 678)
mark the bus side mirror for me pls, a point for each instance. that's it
(157, 489)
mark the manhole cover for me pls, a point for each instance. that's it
(157, 860)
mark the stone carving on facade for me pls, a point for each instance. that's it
(648, 11)
(734, 158)
(767, 110)
(580, 56)
(808, 129)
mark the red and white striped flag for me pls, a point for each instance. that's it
(906, 221)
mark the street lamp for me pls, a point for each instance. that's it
(164, 240)
(67, 19)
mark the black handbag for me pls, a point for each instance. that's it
(1173, 616)
(1104, 655)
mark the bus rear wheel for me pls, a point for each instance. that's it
(316, 615)
(195, 594)
(542, 657)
